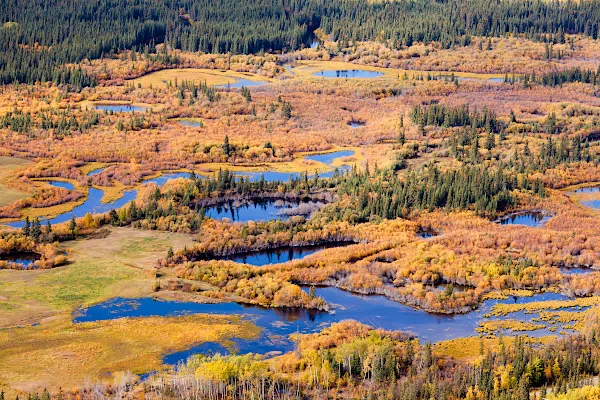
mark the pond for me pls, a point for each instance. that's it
(62, 185)
(427, 232)
(348, 73)
(280, 254)
(187, 122)
(592, 189)
(576, 270)
(24, 258)
(329, 158)
(261, 210)
(357, 124)
(533, 219)
(119, 108)
(277, 323)
(496, 80)
(591, 203)
(325, 158)
(239, 83)
(96, 171)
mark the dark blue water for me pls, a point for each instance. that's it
(279, 255)
(96, 171)
(118, 108)
(92, 205)
(60, 184)
(427, 233)
(25, 258)
(252, 211)
(277, 324)
(533, 219)
(348, 73)
(241, 82)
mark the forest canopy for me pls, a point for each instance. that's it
(38, 37)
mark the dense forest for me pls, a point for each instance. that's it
(39, 36)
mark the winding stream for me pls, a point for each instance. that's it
(93, 204)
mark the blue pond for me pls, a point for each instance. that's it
(348, 73)
(259, 210)
(594, 189)
(96, 172)
(118, 108)
(356, 124)
(326, 158)
(279, 255)
(576, 271)
(63, 185)
(496, 80)
(25, 258)
(532, 219)
(278, 324)
(241, 82)
(186, 122)
(591, 204)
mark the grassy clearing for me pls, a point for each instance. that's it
(8, 166)
(197, 75)
(62, 354)
(118, 265)
(470, 348)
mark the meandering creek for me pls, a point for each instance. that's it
(93, 204)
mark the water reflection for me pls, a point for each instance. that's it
(277, 324)
(532, 219)
(348, 73)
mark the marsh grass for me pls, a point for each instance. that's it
(116, 265)
(62, 354)
(8, 167)
(196, 75)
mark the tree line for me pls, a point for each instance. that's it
(39, 37)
